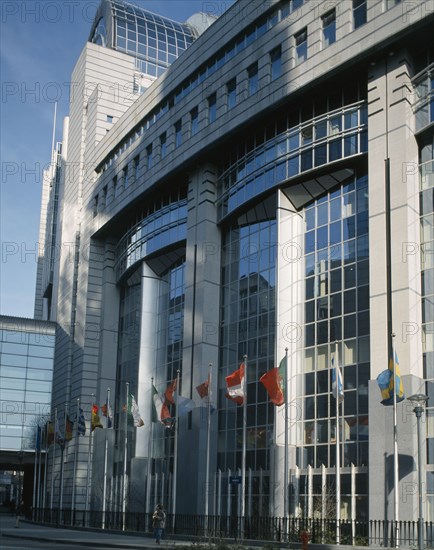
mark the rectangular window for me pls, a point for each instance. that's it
(276, 63)
(115, 186)
(136, 167)
(125, 176)
(95, 206)
(212, 108)
(104, 196)
(110, 119)
(178, 133)
(231, 88)
(295, 4)
(163, 145)
(359, 13)
(329, 28)
(194, 120)
(252, 74)
(149, 156)
(301, 46)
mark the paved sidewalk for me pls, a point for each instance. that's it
(98, 539)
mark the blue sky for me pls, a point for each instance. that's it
(40, 43)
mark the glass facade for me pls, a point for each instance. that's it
(271, 157)
(164, 224)
(127, 369)
(26, 372)
(248, 327)
(277, 14)
(337, 309)
(424, 100)
(170, 345)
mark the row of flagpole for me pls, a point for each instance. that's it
(275, 382)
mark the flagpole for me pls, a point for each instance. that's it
(104, 491)
(208, 444)
(47, 451)
(54, 459)
(175, 455)
(62, 466)
(148, 466)
(35, 472)
(74, 470)
(243, 459)
(285, 460)
(124, 486)
(395, 447)
(39, 487)
(89, 452)
(338, 452)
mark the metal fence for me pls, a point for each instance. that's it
(272, 529)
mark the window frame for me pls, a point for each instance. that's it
(326, 27)
(276, 68)
(300, 43)
(212, 108)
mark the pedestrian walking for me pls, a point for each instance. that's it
(158, 522)
(18, 513)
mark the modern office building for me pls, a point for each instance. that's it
(26, 372)
(263, 184)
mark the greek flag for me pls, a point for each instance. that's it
(81, 423)
(337, 387)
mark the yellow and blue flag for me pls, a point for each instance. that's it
(386, 384)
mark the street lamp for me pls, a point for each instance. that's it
(419, 401)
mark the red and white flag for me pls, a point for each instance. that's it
(235, 383)
(203, 391)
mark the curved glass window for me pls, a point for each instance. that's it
(321, 140)
(100, 35)
(162, 228)
(424, 99)
(154, 40)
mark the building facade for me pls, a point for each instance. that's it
(269, 193)
(26, 373)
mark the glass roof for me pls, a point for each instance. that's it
(153, 40)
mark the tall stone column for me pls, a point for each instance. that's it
(201, 335)
(395, 295)
(289, 330)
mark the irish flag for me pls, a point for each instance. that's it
(160, 411)
(236, 386)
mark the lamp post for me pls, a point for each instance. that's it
(419, 401)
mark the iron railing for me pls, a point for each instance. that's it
(275, 529)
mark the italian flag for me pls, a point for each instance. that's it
(235, 384)
(160, 410)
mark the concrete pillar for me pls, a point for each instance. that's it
(201, 335)
(289, 315)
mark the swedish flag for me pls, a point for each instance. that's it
(386, 384)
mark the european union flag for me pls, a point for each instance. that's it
(386, 384)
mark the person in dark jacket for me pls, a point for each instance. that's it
(158, 522)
